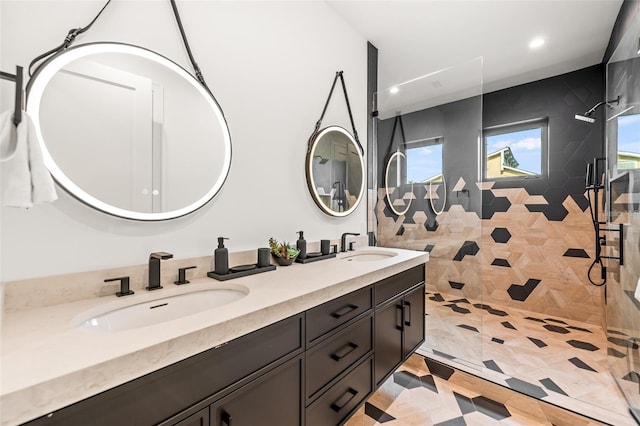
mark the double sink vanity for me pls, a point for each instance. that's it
(302, 345)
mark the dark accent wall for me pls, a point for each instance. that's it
(628, 10)
(572, 143)
(534, 236)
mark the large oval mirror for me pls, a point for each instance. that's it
(128, 131)
(335, 171)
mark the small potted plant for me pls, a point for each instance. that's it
(283, 253)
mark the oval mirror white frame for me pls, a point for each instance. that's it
(46, 72)
(315, 152)
(397, 156)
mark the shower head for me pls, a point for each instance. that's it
(587, 115)
(586, 118)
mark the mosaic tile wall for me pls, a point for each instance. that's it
(526, 244)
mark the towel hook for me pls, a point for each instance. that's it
(17, 78)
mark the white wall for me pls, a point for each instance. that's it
(269, 64)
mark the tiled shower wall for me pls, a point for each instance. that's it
(526, 243)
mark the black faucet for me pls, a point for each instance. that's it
(154, 269)
(343, 240)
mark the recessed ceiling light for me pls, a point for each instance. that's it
(536, 43)
(394, 90)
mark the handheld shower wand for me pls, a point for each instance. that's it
(595, 172)
(591, 184)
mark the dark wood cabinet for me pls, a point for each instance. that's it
(399, 320)
(331, 315)
(272, 400)
(201, 418)
(343, 398)
(334, 356)
(388, 339)
(414, 310)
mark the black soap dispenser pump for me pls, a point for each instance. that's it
(221, 258)
(301, 244)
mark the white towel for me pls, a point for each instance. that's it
(25, 179)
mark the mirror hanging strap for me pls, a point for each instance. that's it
(196, 68)
(68, 40)
(339, 74)
(398, 120)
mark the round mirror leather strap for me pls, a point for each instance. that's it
(196, 68)
(396, 121)
(339, 74)
(68, 40)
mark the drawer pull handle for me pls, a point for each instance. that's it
(225, 418)
(344, 400)
(399, 315)
(344, 310)
(346, 350)
(407, 318)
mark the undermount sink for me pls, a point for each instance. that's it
(160, 310)
(369, 256)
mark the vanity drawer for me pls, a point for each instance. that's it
(398, 283)
(334, 313)
(335, 355)
(343, 398)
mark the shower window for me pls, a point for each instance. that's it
(515, 151)
(628, 141)
(424, 160)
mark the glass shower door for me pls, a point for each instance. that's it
(429, 197)
(623, 216)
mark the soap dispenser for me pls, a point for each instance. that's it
(221, 258)
(301, 244)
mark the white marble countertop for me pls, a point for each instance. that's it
(46, 364)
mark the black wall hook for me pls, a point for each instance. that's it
(18, 79)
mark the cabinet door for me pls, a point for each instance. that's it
(413, 319)
(201, 418)
(388, 339)
(272, 400)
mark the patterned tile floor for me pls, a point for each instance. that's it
(551, 360)
(424, 392)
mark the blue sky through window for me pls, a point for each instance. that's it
(424, 162)
(629, 133)
(526, 146)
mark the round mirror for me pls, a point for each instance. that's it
(335, 171)
(128, 131)
(398, 196)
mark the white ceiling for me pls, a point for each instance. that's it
(415, 38)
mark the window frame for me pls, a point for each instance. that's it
(541, 123)
(421, 143)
